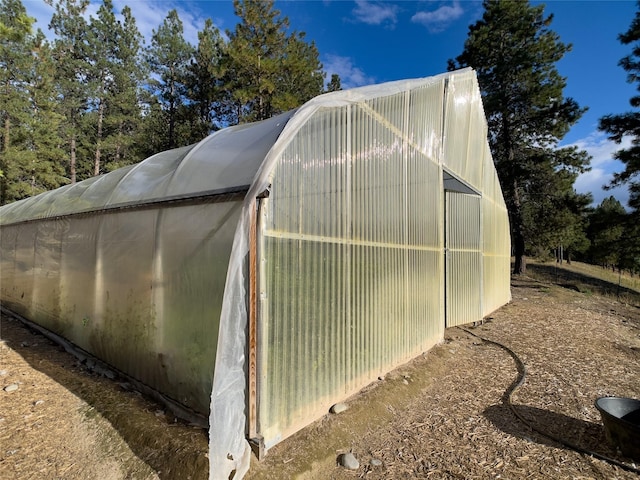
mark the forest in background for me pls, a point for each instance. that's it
(96, 98)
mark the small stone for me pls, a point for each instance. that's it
(11, 388)
(3, 373)
(24, 344)
(339, 408)
(375, 462)
(404, 380)
(38, 402)
(348, 461)
(381, 378)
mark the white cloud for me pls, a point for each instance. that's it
(350, 75)
(149, 15)
(603, 166)
(438, 20)
(375, 13)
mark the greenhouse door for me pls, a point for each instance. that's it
(463, 258)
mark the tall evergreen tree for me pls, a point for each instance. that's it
(114, 80)
(606, 226)
(38, 163)
(169, 57)
(302, 77)
(255, 58)
(628, 124)
(269, 71)
(205, 83)
(514, 53)
(334, 84)
(124, 116)
(30, 157)
(102, 40)
(72, 70)
(15, 65)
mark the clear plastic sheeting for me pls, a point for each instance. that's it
(336, 212)
(223, 162)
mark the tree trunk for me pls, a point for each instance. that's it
(119, 144)
(72, 160)
(172, 114)
(520, 266)
(96, 160)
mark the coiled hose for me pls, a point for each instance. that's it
(522, 373)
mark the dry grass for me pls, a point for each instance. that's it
(441, 416)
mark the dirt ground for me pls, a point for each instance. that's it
(442, 416)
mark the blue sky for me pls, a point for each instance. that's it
(368, 42)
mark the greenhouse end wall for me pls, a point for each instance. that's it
(366, 254)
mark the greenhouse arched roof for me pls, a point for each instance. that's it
(224, 162)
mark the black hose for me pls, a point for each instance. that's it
(522, 373)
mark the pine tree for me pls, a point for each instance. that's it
(514, 54)
(115, 76)
(334, 83)
(169, 57)
(102, 40)
(15, 65)
(628, 124)
(269, 71)
(72, 70)
(606, 226)
(124, 116)
(301, 75)
(30, 157)
(255, 58)
(45, 120)
(205, 83)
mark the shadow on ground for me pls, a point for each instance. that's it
(171, 449)
(585, 435)
(583, 283)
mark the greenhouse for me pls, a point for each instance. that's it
(273, 269)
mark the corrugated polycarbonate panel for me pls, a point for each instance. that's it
(496, 241)
(496, 256)
(465, 130)
(351, 246)
(464, 258)
(425, 112)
